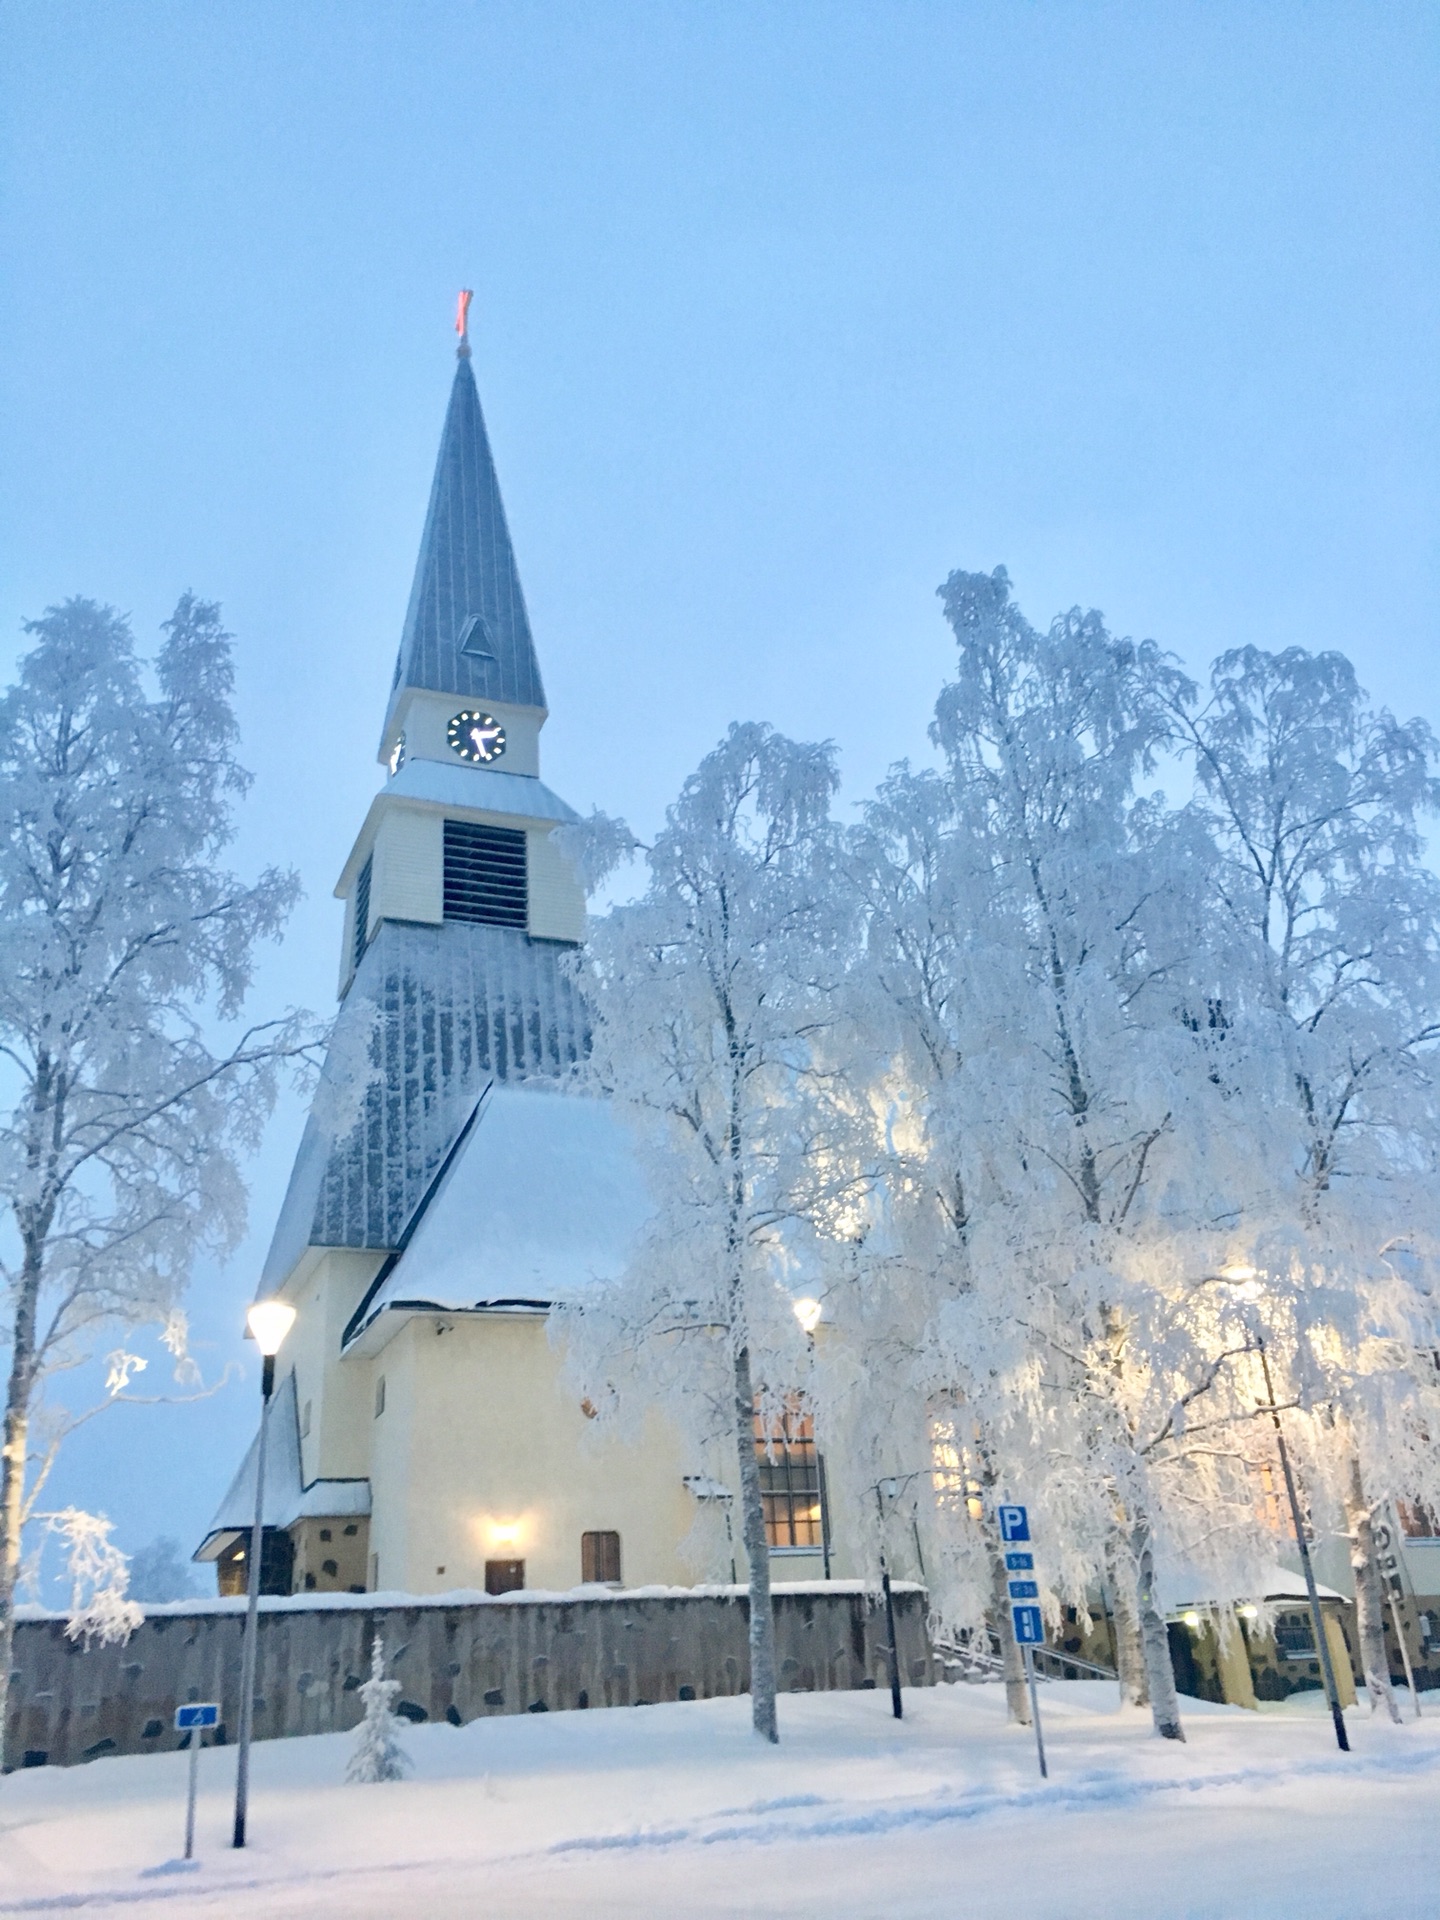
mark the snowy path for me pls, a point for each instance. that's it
(678, 1810)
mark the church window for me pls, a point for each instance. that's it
(600, 1558)
(305, 1421)
(504, 1576)
(379, 1396)
(362, 909)
(790, 1486)
(1418, 1522)
(484, 874)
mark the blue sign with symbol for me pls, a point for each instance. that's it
(1024, 1590)
(198, 1714)
(1019, 1562)
(1014, 1523)
(1029, 1626)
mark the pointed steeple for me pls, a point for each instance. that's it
(466, 629)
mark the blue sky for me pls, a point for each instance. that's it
(782, 312)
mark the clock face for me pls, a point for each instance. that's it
(477, 737)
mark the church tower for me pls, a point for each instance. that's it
(449, 1190)
(458, 907)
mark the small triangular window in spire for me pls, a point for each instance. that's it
(475, 638)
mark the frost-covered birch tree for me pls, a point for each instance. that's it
(123, 945)
(1332, 924)
(1045, 737)
(930, 975)
(713, 997)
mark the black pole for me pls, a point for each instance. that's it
(895, 1700)
(1317, 1618)
(824, 1512)
(252, 1609)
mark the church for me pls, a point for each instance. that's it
(422, 1438)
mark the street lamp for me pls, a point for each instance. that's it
(268, 1321)
(809, 1313)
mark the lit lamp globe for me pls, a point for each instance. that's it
(808, 1313)
(269, 1321)
(1243, 1278)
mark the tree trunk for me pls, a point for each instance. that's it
(757, 1552)
(1017, 1693)
(1369, 1596)
(1125, 1621)
(12, 1477)
(1155, 1641)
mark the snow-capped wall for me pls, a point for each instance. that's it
(457, 1657)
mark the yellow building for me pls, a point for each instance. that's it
(422, 1438)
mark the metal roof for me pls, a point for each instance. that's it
(466, 629)
(455, 1006)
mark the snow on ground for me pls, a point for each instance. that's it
(678, 1810)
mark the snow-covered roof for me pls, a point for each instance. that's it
(545, 1198)
(460, 1005)
(1274, 1583)
(1282, 1584)
(483, 789)
(287, 1497)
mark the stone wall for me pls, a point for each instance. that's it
(458, 1657)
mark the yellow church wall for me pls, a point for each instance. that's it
(557, 900)
(325, 1289)
(408, 877)
(480, 1453)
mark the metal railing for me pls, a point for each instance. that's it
(975, 1659)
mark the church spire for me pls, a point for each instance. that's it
(466, 629)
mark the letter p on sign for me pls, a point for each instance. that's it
(1014, 1523)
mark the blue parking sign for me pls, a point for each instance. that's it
(1029, 1626)
(1014, 1523)
(199, 1713)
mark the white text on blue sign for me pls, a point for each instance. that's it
(1029, 1626)
(1014, 1523)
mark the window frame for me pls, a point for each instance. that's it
(792, 1474)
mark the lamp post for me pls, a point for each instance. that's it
(268, 1321)
(1246, 1282)
(810, 1313)
(1317, 1618)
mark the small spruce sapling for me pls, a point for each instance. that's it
(378, 1754)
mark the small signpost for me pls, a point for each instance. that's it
(193, 1719)
(1025, 1614)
